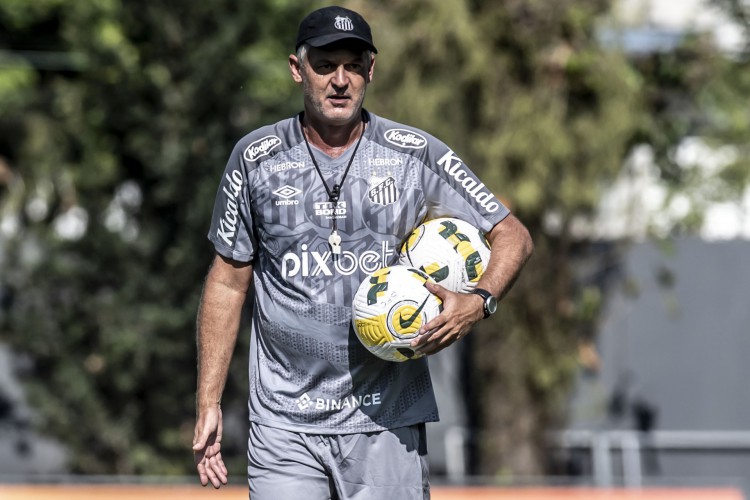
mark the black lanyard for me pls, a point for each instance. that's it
(335, 192)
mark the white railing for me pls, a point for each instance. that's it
(604, 447)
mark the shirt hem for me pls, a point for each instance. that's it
(321, 430)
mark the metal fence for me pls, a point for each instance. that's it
(615, 458)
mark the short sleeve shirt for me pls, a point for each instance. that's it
(308, 371)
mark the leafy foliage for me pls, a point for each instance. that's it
(525, 95)
(125, 151)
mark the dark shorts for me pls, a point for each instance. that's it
(387, 465)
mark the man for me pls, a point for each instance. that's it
(301, 213)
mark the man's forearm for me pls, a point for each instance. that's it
(511, 248)
(218, 325)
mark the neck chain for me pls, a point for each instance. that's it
(334, 192)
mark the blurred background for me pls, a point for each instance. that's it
(616, 130)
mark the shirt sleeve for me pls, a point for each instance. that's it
(231, 229)
(451, 189)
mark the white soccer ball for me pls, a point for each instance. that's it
(389, 308)
(451, 251)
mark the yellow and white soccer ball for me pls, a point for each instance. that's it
(451, 251)
(389, 308)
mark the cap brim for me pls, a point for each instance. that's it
(322, 41)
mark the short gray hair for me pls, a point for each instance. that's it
(302, 52)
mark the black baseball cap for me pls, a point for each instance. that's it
(331, 24)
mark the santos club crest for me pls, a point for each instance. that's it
(384, 191)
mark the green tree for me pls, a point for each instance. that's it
(698, 91)
(115, 143)
(525, 94)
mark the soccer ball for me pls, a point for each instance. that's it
(389, 308)
(451, 251)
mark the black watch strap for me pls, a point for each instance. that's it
(490, 302)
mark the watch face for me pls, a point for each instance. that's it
(491, 305)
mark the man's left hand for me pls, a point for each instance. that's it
(460, 312)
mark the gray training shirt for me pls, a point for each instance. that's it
(308, 371)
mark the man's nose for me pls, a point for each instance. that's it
(340, 78)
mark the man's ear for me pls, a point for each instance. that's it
(295, 68)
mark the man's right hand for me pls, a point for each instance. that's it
(207, 447)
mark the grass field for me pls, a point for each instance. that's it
(122, 492)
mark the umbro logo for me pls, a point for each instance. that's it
(287, 192)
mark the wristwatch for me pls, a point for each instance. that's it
(490, 302)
